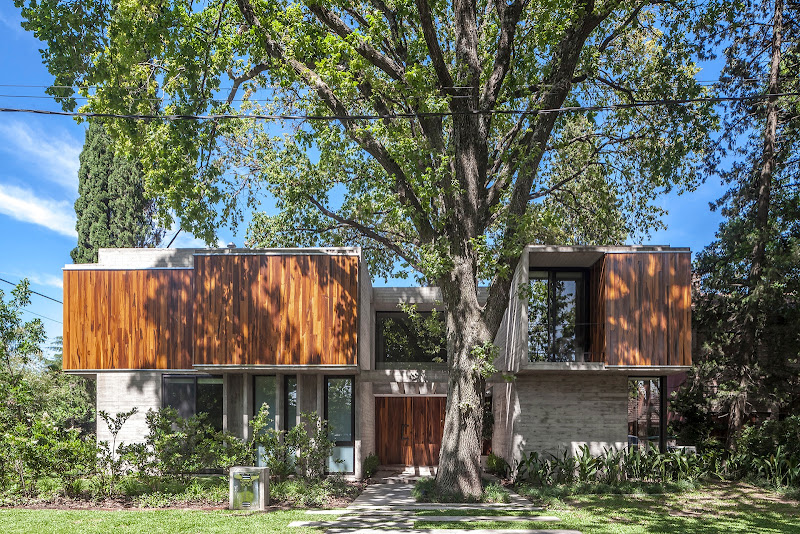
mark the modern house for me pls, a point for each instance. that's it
(588, 339)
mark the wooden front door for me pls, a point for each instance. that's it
(408, 430)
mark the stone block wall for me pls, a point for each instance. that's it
(120, 391)
(553, 413)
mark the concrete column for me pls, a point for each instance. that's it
(364, 406)
(233, 409)
(321, 396)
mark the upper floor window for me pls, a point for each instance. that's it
(557, 311)
(404, 341)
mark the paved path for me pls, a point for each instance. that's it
(391, 509)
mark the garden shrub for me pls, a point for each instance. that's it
(496, 465)
(370, 465)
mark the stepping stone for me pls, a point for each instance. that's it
(331, 511)
(468, 518)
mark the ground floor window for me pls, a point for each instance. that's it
(340, 414)
(289, 402)
(191, 395)
(646, 408)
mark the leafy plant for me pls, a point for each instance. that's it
(497, 465)
(370, 465)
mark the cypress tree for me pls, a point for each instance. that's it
(112, 208)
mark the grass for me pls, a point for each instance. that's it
(425, 491)
(729, 508)
(14, 521)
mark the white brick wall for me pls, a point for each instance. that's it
(119, 392)
(557, 412)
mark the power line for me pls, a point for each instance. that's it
(32, 291)
(567, 109)
(42, 316)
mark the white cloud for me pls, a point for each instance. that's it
(46, 280)
(56, 155)
(23, 205)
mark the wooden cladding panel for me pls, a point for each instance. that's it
(648, 309)
(135, 319)
(408, 430)
(597, 312)
(276, 310)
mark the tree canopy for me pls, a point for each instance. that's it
(747, 319)
(423, 130)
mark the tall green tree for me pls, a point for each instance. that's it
(112, 208)
(20, 343)
(747, 316)
(429, 135)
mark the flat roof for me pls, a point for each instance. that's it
(183, 258)
(584, 256)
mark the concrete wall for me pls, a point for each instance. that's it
(551, 413)
(119, 392)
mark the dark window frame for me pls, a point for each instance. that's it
(380, 343)
(582, 316)
(166, 376)
(352, 442)
(662, 407)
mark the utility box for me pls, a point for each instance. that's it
(249, 488)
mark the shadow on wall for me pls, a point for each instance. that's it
(231, 309)
(648, 309)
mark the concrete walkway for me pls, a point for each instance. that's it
(390, 508)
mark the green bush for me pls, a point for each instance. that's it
(762, 440)
(302, 492)
(496, 465)
(370, 465)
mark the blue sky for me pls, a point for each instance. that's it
(39, 182)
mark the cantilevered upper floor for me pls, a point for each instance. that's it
(213, 309)
(588, 308)
(599, 307)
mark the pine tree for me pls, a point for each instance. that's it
(112, 208)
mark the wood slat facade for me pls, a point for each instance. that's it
(646, 303)
(229, 310)
(131, 319)
(276, 309)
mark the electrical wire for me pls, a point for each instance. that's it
(230, 116)
(32, 291)
(42, 316)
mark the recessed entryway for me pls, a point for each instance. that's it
(408, 430)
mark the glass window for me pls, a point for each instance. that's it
(556, 316)
(265, 391)
(290, 402)
(191, 395)
(644, 412)
(404, 341)
(340, 414)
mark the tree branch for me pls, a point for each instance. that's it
(366, 50)
(366, 231)
(434, 49)
(361, 136)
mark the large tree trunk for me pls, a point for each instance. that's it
(752, 339)
(459, 464)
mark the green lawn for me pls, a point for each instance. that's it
(712, 509)
(151, 521)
